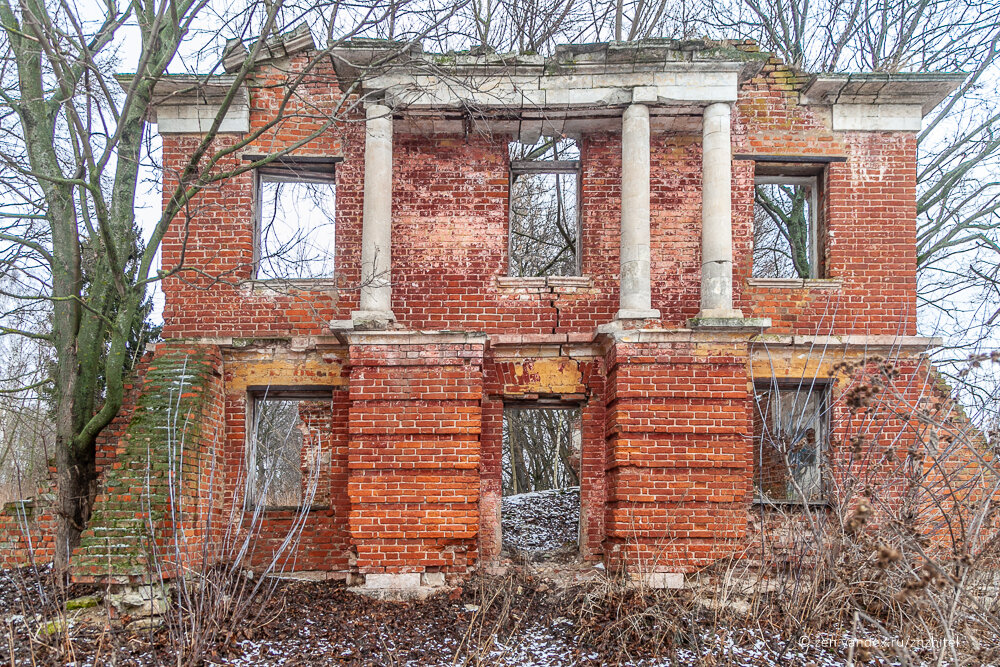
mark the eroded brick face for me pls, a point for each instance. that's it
(412, 439)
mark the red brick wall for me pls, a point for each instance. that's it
(214, 233)
(870, 213)
(414, 424)
(450, 228)
(678, 427)
(27, 530)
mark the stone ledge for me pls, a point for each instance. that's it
(542, 283)
(796, 283)
(855, 341)
(729, 323)
(285, 285)
(291, 343)
(310, 575)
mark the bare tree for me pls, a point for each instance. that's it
(72, 145)
(540, 449)
(25, 430)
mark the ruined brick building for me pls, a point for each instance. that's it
(656, 314)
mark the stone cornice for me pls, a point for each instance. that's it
(924, 90)
(187, 103)
(679, 76)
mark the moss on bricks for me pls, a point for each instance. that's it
(165, 427)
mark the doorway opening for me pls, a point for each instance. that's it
(540, 509)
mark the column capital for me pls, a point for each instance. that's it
(636, 110)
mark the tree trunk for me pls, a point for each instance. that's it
(76, 488)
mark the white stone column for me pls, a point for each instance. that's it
(635, 297)
(376, 230)
(717, 215)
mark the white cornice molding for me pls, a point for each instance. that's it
(924, 89)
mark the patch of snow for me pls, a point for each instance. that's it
(541, 522)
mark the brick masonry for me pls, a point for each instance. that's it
(414, 424)
(678, 427)
(160, 503)
(411, 442)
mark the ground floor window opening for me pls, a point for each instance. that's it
(288, 450)
(540, 510)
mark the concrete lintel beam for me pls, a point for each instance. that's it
(856, 342)
(198, 118)
(415, 338)
(877, 117)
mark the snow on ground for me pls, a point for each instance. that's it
(541, 522)
(552, 645)
(547, 646)
(321, 623)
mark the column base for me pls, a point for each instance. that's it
(401, 586)
(366, 320)
(637, 314)
(720, 314)
(625, 315)
(657, 580)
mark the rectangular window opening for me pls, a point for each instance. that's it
(791, 441)
(787, 234)
(288, 449)
(540, 510)
(295, 220)
(544, 209)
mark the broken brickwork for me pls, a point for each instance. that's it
(410, 470)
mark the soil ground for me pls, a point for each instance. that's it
(549, 610)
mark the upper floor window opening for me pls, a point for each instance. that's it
(295, 219)
(544, 209)
(787, 231)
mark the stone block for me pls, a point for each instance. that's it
(662, 579)
(395, 581)
(433, 579)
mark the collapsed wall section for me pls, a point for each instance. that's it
(153, 512)
(897, 442)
